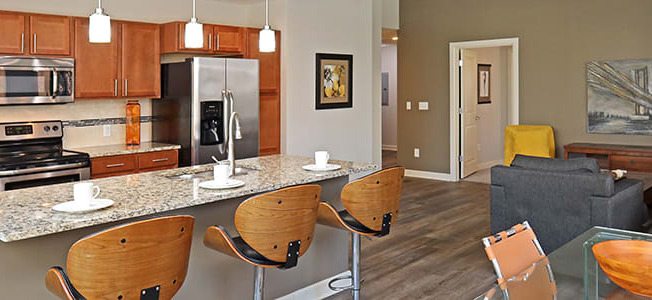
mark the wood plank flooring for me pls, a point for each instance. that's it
(434, 249)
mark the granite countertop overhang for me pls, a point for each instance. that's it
(28, 213)
(123, 149)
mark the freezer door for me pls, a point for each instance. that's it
(242, 82)
(208, 82)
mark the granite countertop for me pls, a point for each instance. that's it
(28, 213)
(110, 150)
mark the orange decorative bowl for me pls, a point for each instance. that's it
(627, 263)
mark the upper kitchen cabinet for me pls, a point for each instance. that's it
(141, 60)
(97, 65)
(13, 31)
(173, 39)
(230, 39)
(270, 92)
(218, 39)
(50, 35)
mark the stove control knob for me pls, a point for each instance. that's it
(55, 127)
(46, 128)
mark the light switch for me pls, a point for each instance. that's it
(416, 152)
(106, 129)
(423, 105)
(408, 105)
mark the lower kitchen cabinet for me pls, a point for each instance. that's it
(133, 163)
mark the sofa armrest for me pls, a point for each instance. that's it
(624, 210)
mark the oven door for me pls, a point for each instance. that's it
(35, 84)
(45, 178)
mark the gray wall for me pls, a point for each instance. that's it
(557, 39)
(389, 112)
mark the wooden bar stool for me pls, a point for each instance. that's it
(371, 205)
(275, 229)
(145, 260)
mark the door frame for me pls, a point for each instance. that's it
(454, 73)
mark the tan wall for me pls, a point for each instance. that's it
(557, 39)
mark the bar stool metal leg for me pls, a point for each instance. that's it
(355, 242)
(259, 282)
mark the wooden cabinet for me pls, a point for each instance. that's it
(141, 60)
(133, 163)
(229, 39)
(218, 39)
(97, 65)
(13, 32)
(630, 158)
(270, 92)
(129, 66)
(50, 35)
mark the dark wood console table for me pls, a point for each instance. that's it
(630, 158)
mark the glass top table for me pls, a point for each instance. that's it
(574, 270)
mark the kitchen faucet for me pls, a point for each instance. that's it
(230, 116)
(238, 135)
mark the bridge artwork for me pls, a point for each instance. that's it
(619, 97)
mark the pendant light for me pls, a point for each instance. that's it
(99, 26)
(267, 39)
(194, 35)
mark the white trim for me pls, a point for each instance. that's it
(390, 147)
(489, 164)
(318, 290)
(429, 175)
(454, 79)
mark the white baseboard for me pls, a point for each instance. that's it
(318, 290)
(429, 175)
(489, 164)
(390, 147)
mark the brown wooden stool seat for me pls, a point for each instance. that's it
(371, 205)
(143, 260)
(275, 229)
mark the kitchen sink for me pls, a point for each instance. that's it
(209, 174)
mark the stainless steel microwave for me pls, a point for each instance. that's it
(32, 80)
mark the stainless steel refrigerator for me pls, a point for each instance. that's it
(192, 111)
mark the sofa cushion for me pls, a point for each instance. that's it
(583, 164)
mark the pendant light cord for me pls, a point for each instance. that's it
(266, 12)
(99, 3)
(193, 9)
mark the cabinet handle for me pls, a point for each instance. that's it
(22, 42)
(126, 87)
(35, 43)
(115, 87)
(115, 165)
(217, 42)
(160, 160)
(210, 41)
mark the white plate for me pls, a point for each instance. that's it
(230, 184)
(328, 167)
(73, 207)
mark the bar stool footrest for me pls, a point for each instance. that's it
(340, 288)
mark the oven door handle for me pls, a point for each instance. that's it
(42, 169)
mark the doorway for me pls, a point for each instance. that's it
(389, 96)
(484, 99)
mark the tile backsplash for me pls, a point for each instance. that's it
(84, 120)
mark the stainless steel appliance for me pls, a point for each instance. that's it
(31, 154)
(32, 80)
(198, 96)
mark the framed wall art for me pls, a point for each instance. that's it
(484, 84)
(334, 81)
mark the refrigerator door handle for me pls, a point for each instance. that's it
(225, 121)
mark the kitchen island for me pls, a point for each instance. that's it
(35, 237)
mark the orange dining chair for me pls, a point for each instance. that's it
(520, 264)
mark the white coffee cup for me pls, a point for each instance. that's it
(84, 193)
(321, 158)
(221, 173)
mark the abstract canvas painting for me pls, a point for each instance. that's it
(334, 81)
(620, 97)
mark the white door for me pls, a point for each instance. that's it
(469, 102)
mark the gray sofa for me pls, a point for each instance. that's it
(563, 198)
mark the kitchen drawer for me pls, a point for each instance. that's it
(113, 165)
(156, 160)
(631, 163)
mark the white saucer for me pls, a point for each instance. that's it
(328, 167)
(73, 207)
(230, 184)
